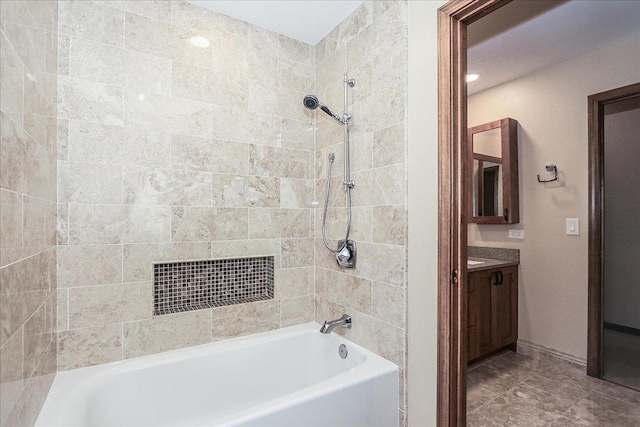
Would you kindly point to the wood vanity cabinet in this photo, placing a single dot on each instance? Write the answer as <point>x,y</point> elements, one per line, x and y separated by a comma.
<point>492,311</point>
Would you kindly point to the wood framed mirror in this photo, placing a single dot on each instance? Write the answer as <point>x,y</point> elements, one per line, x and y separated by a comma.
<point>493,173</point>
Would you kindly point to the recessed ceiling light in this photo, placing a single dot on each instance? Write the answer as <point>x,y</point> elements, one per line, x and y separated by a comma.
<point>199,41</point>
<point>472,77</point>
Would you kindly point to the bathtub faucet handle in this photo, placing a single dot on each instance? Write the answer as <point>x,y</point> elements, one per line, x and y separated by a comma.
<point>343,322</point>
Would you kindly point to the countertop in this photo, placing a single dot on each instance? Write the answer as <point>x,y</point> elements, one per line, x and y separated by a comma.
<point>489,264</point>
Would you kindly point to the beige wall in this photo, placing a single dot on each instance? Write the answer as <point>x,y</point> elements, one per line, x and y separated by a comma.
<point>28,46</point>
<point>551,108</point>
<point>371,46</point>
<point>167,152</point>
<point>422,249</point>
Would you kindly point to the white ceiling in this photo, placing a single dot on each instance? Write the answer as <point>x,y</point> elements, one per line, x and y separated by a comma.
<point>525,36</point>
<point>306,20</point>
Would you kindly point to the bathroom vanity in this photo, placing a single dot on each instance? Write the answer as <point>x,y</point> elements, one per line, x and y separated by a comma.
<point>492,304</point>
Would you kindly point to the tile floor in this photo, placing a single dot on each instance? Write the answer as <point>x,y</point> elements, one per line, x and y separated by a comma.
<point>516,390</point>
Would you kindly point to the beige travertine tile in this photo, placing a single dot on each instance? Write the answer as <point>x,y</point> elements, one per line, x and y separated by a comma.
<point>138,259</point>
<point>297,252</point>
<point>247,248</point>
<point>202,224</point>
<point>284,102</point>
<point>12,84</point>
<point>349,291</point>
<point>33,226</point>
<point>384,263</point>
<point>11,225</point>
<point>164,40</point>
<point>89,183</point>
<point>336,225</point>
<point>362,152</point>
<point>379,111</point>
<point>295,75</point>
<point>89,265</point>
<point>244,319</point>
<point>16,12</point>
<point>283,46</point>
<point>296,311</point>
<point>208,86</point>
<point>91,101</point>
<point>28,176</point>
<point>165,114</point>
<point>117,66</point>
<point>168,332</point>
<point>37,337</point>
<point>389,67</point>
<point>359,19</point>
<point>62,140</point>
<point>328,132</point>
<point>327,310</point>
<point>64,42</point>
<point>281,162</point>
<point>156,9</point>
<point>90,346</point>
<point>389,224</point>
<point>387,30</point>
<point>320,51</point>
<point>380,337</point>
<point>267,223</point>
<point>26,410</point>
<point>296,193</point>
<point>331,70</point>
<point>11,374</point>
<point>62,224</point>
<point>158,186</point>
<point>126,146</point>
<point>293,282</point>
<point>92,21</point>
<point>298,134</point>
<point>106,304</point>
<point>261,66</point>
<point>244,126</point>
<point>189,15</point>
<point>389,146</point>
<point>387,303</point>
<point>29,43</point>
<point>193,153</point>
<point>384,186</point>
<point>39,98</point>
<point>95,224</point>
<point>245,191</point>
<point>63,310</point>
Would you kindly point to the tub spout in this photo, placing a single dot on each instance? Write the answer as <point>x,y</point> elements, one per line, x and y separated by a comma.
<point>343,322</point>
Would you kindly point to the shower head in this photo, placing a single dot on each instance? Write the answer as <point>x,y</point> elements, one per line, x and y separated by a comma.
<point>311,102</point>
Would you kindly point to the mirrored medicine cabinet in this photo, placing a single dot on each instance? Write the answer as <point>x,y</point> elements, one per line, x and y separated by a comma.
<point>493,173</point>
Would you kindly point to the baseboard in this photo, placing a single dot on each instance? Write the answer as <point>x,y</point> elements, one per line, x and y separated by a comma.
<point>530,349</point>
<point>621,328</point>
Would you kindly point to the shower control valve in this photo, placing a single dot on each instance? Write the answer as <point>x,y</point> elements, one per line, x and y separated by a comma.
<point>349,184</point>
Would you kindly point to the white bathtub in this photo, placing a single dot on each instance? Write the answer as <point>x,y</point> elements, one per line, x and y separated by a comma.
<point>290,377</point>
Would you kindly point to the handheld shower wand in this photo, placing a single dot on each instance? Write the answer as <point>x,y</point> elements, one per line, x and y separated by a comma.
<point>346,250</point>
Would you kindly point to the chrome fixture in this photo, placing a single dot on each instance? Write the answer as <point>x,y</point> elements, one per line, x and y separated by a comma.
<point>346,250</point>
<point>342,351</point>
<point>343,322</point>
<point>550,167</point>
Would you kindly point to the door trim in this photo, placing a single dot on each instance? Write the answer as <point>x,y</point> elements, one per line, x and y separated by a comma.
<point>597,103</point>
<point>453,19</point>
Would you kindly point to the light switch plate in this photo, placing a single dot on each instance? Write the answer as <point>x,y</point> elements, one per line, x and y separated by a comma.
<point>573,226</point>
<point>516,234</point>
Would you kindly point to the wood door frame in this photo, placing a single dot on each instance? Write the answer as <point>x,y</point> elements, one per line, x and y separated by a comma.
<point>453,19</point>
<point>597,103</point>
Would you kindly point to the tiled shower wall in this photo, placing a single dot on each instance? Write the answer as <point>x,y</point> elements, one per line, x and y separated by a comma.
<point>166,152</point>
<point>28,46</point>
<point>371,45</point>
